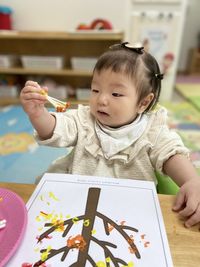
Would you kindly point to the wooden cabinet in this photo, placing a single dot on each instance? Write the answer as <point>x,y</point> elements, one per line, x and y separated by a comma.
<point>67,45</point>
<point>194,62</point>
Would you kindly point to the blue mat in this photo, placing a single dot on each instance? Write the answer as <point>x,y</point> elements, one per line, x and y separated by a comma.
<point>21,159</point>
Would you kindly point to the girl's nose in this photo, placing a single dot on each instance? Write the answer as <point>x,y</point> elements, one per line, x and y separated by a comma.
<point>103,99</point>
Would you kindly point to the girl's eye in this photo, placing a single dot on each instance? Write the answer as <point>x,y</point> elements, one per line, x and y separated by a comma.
<point>95,91</point>
<point>116,94</point>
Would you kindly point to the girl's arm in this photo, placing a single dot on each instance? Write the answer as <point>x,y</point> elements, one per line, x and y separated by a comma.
<point>33,104</point>
<point>44,124</point>
<point>180,169</point>
<point>187,203</point>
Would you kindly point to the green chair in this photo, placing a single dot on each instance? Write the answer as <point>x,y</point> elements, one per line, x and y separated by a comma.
<point>166,185</point>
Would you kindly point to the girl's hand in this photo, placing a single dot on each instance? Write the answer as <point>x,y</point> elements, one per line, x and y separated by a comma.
<point>187,202</point>
<point>32,99</point>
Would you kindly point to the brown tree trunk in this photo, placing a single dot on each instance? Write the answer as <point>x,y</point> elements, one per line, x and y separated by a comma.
<point>90,214</point>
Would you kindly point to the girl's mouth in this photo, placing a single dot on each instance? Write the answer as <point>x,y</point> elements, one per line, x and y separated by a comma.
<point>102,113</point>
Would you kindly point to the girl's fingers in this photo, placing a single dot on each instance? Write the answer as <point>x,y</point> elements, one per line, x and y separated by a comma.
<point>34,87</point>
<point>45,88</point>
<point>29,94</point>
<point>29,88</point>
<point>179,202</point>
<point>194,219</point>
<point>32,83</point>
<point>190,208</point>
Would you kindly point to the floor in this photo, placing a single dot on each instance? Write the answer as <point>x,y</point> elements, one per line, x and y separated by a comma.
<point>21,159</point>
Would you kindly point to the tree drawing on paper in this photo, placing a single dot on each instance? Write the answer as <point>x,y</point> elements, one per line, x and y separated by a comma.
<point>82,241</point>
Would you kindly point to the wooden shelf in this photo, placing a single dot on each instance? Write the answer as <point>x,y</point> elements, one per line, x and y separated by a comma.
<point>71,35</point>
<point>63,44</point>
<point>4,101</point>
<point>63,72</point>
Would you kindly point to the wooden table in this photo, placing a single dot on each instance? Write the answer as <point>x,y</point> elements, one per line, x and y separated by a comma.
<point>184,243</point>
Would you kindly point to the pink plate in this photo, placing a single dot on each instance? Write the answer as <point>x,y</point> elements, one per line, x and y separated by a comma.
<point>13,209</point>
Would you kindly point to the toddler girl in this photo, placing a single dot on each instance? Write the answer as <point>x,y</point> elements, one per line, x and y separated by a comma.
<point>123,132</point>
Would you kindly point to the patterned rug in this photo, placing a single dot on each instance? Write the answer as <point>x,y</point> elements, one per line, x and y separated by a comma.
<point>191,92</point>
<point>184,118</point>
<point>21,159</point>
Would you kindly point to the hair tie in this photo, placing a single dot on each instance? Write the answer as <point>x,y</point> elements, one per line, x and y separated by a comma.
<point>126,45</point>
<point>137,49</point>
<point>159,76</point>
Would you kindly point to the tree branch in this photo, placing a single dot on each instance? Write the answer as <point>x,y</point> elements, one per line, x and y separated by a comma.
<point>108,253</point>
<point>68,222</point>
<point>52,253</point>
<point>120,228</point>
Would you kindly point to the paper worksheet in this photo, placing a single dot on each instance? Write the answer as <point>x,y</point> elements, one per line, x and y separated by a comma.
<point>79,221</point>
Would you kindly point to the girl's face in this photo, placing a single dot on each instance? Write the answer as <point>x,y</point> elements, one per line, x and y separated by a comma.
<point>113,99</point>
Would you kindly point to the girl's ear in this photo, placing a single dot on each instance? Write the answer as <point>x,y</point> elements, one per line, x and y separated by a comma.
<point>143,105</point>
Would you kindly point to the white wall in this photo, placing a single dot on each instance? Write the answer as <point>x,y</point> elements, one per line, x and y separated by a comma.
<point>63,15</point>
